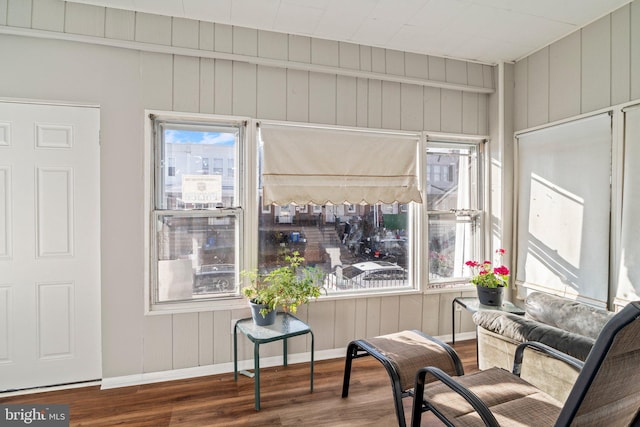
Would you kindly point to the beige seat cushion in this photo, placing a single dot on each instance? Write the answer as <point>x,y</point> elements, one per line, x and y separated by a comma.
<point>513,401</point>
<point>409,351</point>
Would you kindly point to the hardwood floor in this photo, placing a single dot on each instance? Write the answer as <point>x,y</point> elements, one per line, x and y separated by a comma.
<point>219,401</point>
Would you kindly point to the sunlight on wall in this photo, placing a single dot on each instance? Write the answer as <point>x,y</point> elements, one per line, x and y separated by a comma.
<point>554,251</point>
<point>566,239</point>
<point>626,289</point>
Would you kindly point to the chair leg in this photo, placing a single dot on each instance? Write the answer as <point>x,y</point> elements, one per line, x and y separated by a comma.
<point>360,348</point>
<point>352,351</point>
<point>396,388</point>
<point>397,398</point>
<point>418,407</point>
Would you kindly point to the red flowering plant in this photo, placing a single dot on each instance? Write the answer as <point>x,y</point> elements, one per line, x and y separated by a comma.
<point>488,276</point>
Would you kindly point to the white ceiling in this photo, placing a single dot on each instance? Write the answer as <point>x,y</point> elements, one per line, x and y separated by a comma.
<point>487,31</point>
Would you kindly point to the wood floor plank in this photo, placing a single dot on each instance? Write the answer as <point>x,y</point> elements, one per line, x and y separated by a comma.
<point>218,400</point>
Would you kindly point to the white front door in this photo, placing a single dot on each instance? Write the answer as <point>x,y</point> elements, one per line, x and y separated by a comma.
<point>49,245</point>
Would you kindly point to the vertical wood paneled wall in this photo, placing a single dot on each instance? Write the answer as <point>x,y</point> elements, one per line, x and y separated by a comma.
<point>190,82</point>
<point>593,68</point>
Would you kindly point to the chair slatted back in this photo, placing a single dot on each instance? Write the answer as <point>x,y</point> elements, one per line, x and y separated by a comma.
<point>607,391</point>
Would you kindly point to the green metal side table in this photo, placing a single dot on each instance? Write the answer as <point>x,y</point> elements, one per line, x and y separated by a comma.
<point>285,327</point>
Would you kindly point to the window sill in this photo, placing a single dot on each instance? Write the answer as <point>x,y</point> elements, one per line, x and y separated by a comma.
<point>375,294</point>
<point>229,304</point>
<point>442,288</point>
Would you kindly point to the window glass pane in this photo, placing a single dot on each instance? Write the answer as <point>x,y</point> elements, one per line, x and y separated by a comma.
<point>196,256</point>
<point>197,218</point>
<point>359,247</point>
<point>452,241</point>
<point>452,177</point>
<point>453,202</point>
<point>190,173</point>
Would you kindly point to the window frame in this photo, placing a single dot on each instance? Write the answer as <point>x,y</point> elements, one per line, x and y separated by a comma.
<point>238,211</point>
<point>412,210</point>
<point>478,215</point>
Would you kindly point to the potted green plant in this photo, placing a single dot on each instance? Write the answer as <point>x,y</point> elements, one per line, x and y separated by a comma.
<point>490,280</point>
<point>285,287</point>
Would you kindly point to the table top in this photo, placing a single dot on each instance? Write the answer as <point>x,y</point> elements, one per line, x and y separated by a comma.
<point>473,304</point>
<point>286,325</point>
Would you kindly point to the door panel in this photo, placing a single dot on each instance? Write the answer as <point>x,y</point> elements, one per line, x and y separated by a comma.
<point>49,245</point>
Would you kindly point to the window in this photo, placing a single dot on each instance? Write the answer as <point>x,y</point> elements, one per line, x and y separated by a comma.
<point>361,246</point>
<point>454,209</point>
<point>230,168</point>
<point>197,217</point>
<point>172,166</point>
<point>218,166</point>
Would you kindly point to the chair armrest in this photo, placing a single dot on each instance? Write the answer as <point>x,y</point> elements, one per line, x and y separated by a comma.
<point>477,404</point>
<point>550,351</point>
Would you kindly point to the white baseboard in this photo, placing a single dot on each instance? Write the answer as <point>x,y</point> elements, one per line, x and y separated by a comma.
<point>224,368</point>
<point>70,386</point>
<point>462,336</point>
<point>221,368</point>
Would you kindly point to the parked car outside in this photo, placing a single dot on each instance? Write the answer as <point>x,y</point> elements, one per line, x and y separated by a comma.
<point>392,250</point>
<point>368,274</point>
<point>214,278</point>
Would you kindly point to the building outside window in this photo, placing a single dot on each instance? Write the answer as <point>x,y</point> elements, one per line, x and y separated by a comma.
<point>454,209</point>
<point>197,217</point>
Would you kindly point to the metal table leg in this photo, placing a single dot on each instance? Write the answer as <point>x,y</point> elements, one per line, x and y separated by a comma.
<point>235,352</point>
<point>312,339</point>
<point>453,321</point>
<point>256,373</point>
<point>284,352</point>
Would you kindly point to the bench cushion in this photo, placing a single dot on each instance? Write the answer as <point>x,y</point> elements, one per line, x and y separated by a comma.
<point>566,314</point>
<point>521,329</point>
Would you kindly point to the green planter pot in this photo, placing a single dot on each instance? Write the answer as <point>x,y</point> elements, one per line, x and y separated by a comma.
<point>258,318</point>
<point>490,296</point>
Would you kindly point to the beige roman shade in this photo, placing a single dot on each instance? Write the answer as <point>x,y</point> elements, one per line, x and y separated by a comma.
<point>305,165</point>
